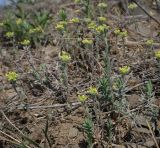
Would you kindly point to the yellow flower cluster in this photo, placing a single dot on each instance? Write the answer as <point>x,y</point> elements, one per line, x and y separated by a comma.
<point>9,34</point>
<point>117,31</point>
<point>61,25</point>
<point>11,76</point>
<point>92,90</point>
<point>87,41</point>
<point>77,1</point>
<point>1,24</point>
<point>149,42</point>
<point>74,20</point>
<point>35,30</point>
<point>82,98</point>
<point>64,57</point>
<point>87,20</point>
<point>102,5</point>
<point>123,33</point>
<point>92,25</point>
<point>124,70</point>
<point>132,6</point>
<point>102,19</point>
<point>102,28</point>
<point>25,42</point>
<point>19,21</point>
<point>157,55</point>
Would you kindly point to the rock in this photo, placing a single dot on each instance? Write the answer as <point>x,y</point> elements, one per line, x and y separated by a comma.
<point>73,132</point>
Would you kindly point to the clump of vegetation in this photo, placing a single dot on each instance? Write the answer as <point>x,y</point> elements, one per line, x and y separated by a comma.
<point>80,68</point>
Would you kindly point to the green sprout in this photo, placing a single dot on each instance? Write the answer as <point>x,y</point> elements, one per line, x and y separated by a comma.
<point>65,58</point>
<point>88,129</point>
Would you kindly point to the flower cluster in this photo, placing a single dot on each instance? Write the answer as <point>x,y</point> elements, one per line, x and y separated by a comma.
<point>102,19</point>
<point>92,25</point>
<point>157,55</point>
<point>92,90</point>
<point>25,42</point>
<point>132,6</point>
<point>19,21</point>
<point>9,34</point>
<point>149,42</point>
<point>74,20</point>
<point>102,28</point>
<point>64,57</point>
<point>124,70</point>
<point>11,76</point>
<point>61,25</point>
<point>117,31</point>
<point>102,5</point>
<point>123,33</point>
<point>82,98</point>
<point>35,30</point>
<point>87,41</point>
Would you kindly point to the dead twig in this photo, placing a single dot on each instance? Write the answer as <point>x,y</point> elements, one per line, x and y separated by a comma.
<point>152,134</point>
<point>143,9</point>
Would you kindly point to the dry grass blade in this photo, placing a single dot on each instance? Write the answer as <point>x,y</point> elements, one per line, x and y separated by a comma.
<point>152,134</point>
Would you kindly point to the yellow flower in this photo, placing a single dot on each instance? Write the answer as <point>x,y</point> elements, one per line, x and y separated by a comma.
<point>74,20</point>
<point>102,5</point>
<point>25,42</point>
<point>124,70</point>
<point>9,34</point>
<point>102,19</point>
<point>11,76</point>
<point>92,25</point>
<point>149,42</point>
<point>87,20</point>
<point>1,24</point>
<point>64,23</point>
<point>92,90</point>
<point>59,27</point>
<point>117,31</point>
<point>123,33</point>
<point>157,54</point>
<point>102,28</point>
<point>19,21</point>
<point>132,6</point>
<point>77,1</point>
<point>64,57</point>
<point>82,98</point>
<point>87,41</point>
<point>35,30</point>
